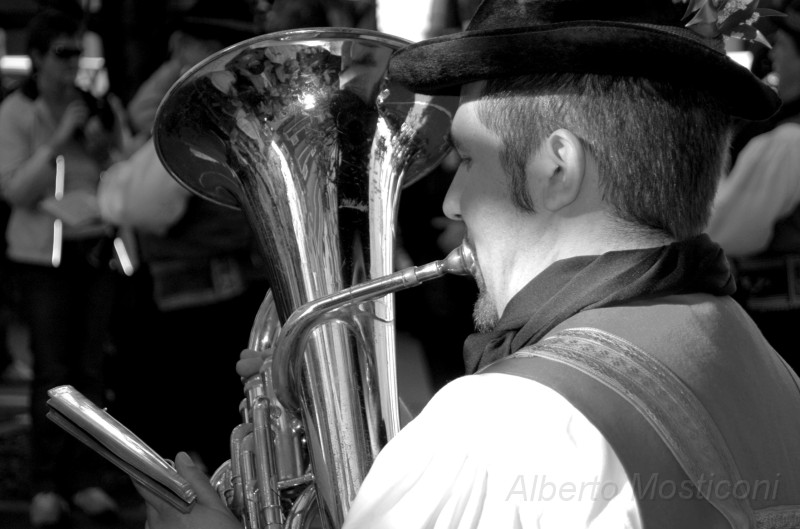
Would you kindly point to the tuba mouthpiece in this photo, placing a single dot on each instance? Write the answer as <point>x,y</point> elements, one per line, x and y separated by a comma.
<point>460,261</point>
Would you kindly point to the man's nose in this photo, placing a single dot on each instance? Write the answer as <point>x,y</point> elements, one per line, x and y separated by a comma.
<point>451,205</point>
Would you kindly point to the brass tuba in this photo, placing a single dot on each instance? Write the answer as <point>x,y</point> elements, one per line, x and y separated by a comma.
<point>302,130</point>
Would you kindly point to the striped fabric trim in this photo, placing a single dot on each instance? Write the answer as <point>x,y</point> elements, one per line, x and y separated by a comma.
<point>668,405</point>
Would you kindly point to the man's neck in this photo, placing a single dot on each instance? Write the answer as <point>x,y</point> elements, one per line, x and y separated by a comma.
<point>599,234</point>
<point>593,234</point>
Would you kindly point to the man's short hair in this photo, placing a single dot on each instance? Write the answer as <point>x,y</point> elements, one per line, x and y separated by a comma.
<point>660,148</point>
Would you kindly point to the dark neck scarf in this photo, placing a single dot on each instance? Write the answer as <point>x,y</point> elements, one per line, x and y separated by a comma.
<point>569,286</point>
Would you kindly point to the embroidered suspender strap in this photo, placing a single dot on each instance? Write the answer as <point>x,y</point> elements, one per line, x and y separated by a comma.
<point>667,404</point>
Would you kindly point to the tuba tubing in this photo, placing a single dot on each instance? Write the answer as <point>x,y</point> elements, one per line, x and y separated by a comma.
<point>287,363</point>
<point>303,132</point>
<point>272,394</point>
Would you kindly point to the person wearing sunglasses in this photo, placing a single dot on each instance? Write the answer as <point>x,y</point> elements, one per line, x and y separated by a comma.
<point>55,142</point>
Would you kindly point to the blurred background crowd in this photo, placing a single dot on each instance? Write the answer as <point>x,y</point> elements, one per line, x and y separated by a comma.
<point>117,280</point>
<point>114,277</point>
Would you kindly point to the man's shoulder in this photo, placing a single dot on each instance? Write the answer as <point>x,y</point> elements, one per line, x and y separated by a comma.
<point>500,399</point>
<point>657,315</point>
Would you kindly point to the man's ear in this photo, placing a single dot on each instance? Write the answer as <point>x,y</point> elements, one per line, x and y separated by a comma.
<point>563,165</point>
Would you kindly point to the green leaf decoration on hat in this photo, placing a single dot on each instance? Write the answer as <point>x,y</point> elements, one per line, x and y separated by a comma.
<point>731,18</point>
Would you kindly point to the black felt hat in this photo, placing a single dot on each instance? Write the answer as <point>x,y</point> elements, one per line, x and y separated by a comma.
<point>646,38</point>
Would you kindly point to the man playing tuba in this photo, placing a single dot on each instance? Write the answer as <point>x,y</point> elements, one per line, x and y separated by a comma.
<point>613,381</point>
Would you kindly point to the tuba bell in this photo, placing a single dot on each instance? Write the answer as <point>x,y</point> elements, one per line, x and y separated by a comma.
<point>303,132</point>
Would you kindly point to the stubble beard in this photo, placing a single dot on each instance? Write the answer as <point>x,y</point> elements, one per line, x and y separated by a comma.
<point>484,313</point>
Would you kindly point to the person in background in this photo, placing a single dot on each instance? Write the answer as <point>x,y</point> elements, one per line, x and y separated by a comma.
<point>756,215</point>
<point>202,279</point>
<point>12,368</point>
<point>196,34</point>
<point>613,382</point>
<point>14,358</point>
<point>202,31</point>
<point>198,285</point>
<point>56,139</point>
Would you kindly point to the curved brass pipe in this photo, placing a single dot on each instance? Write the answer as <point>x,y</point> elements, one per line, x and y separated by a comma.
<point>287,362</point>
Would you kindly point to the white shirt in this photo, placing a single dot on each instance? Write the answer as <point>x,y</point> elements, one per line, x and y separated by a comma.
<point>139,193</point>
<point>496,451</point>
<point>762,188</point>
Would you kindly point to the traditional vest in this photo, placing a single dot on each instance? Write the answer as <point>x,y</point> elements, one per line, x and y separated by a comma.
<point>702,413</point>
